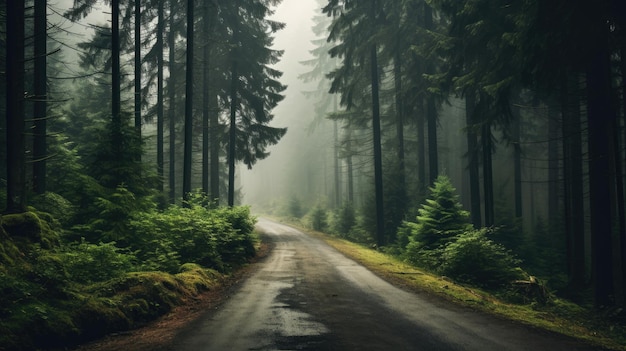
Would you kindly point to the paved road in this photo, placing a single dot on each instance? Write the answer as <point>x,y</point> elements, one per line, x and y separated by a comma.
<point>307,296</point>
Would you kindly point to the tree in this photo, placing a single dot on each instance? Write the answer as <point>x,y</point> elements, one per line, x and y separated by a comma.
<point>260,91</point>
<point>138,72</point>
<point>441,218</point>
<point>40,150</point>
<point>355,28</point>
<point>171,38</point>
<point>188,102</point>
<point>16,163</point>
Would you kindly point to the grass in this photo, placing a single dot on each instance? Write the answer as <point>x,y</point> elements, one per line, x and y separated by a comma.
<point>558,315</point>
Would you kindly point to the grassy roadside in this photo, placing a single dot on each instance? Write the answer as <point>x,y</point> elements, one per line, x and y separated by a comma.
<point>558,316</point>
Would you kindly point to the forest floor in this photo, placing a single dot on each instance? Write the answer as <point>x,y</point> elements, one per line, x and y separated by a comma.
<point>159,334</point>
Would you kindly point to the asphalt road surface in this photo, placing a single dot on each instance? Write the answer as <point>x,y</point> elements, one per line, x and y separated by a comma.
<point>307,296</point>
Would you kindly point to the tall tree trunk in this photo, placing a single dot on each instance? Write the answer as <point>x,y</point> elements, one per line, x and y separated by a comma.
<point>553,170</point>
<point>573,184</point>
<point>400,128</point>
<point>115,75</point>
<point>16,165</point>
<point>40,145</point>
<point>473,164</point>
<point>336,164</point>
<point>232,134</point>
<point>205,99</point>
<point>600,116</point>
<point>487,174</point>
<point>350,167</point>
<point>431,111</point>
<point>378,163</point>
<point>421,152</point>
<point>172,101</point>
<point>138,70</point>
<point>160,111</point>
<point>215,149</point>
<point>517,162</point>
<point>188,103</point>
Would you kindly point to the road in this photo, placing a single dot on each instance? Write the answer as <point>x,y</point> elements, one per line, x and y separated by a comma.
<point>307,296</point>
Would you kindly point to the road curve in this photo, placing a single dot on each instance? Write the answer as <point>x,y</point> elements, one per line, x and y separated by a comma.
<point>307,296</point>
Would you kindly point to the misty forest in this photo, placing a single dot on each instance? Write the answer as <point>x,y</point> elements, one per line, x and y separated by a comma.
<point>479,140</point>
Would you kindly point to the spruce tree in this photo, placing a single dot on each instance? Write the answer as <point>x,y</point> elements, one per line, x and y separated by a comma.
<point>439,221</point>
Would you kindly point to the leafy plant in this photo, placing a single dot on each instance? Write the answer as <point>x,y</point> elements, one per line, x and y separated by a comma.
<point>474,258</point>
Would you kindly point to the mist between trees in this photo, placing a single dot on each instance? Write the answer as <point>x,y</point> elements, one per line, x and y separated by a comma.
<point>520,104</point>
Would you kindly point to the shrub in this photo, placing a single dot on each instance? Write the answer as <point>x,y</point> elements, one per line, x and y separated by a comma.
<point>318,218</point>
<point>88,263</point>
<point>214,238</point>
<point>344,220</point>
<point>474,258</point>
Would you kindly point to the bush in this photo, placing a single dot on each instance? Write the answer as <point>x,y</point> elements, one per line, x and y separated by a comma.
<point>88,263</point>
<point>318,218</point>
<point>214,238</point>
<point>474,258</point>
<point>344,220</point>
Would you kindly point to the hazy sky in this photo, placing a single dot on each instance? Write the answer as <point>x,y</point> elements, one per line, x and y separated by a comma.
<point>296,111</point>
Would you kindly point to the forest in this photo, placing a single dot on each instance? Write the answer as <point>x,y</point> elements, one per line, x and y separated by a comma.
<point>482,140</point>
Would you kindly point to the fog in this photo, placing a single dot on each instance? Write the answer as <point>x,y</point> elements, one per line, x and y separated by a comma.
<point>279,176</point>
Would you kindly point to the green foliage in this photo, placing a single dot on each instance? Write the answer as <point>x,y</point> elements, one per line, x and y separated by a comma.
<point>29,228</point>
<point>442,216</point>
<point>88,263</point>
<point>215,238</point>
<point>439,221</point>
<point>318,218</point>
<point>294,208</point>
<point>56,205</point>
<point>474,258</point>
<point>109,215</point>
<point>344,219</point>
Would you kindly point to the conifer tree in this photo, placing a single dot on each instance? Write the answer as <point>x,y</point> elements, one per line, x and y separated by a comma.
<point>440,220</point>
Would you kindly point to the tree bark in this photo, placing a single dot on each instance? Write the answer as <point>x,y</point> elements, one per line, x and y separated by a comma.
<point>16,163</point>
<point>487,174</point>
<point>138,71</point>
<point>553,169</point>
<point>421,152</point>
<point>600,116</point>
<point>115,71</point>
<point>400,128</point>
<point>40,144</point>
<point>172,100</point>
<point>378,164</point>
<point>187,156</point>
<point>431,111</point>
<point>160,110</point>
<point>573,184</point>
<point>214,126</point>
<point>232,134</point>
<point>205,99</point>
<point>517,162</point>
<point>473,161</point>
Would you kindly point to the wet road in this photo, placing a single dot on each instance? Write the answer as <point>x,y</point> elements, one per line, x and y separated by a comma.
<point>307,296</point>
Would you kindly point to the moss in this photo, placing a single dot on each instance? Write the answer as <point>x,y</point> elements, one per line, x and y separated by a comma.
<point>29,227</point>
<point>196,278</point>
<point>97,317</point>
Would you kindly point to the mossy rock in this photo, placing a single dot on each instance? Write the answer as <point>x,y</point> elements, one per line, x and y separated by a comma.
<point>196,278</point>
<point>29,227</point>
<point>97,317</point>
<point>10,254</point>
